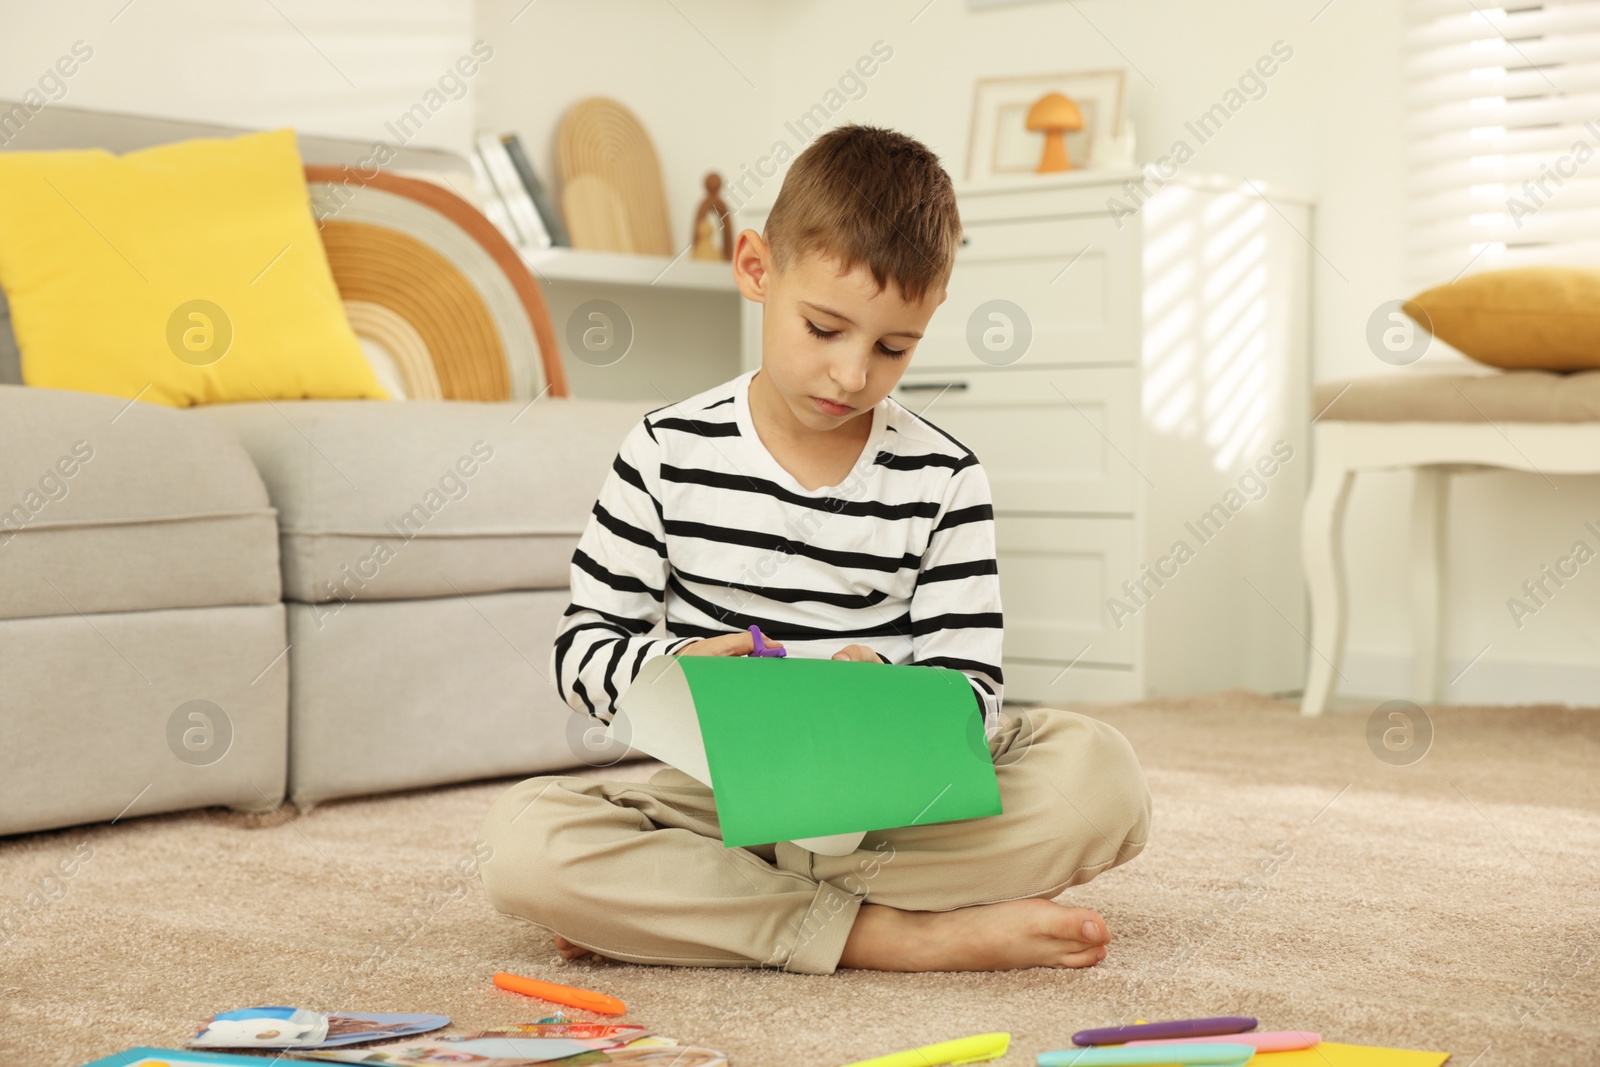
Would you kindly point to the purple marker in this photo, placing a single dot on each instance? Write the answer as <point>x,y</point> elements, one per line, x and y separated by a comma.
<point>763,650</point>
<point>1116,1035</point>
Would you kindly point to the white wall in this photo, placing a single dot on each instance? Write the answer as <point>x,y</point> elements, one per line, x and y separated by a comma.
<point>699,81</point>
<point>347,68</point>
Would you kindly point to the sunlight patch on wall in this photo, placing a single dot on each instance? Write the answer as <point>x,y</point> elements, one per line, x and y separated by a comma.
<point>1207,378</point>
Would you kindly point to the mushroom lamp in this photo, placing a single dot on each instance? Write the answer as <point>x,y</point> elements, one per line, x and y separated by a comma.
<point>1055,116</point>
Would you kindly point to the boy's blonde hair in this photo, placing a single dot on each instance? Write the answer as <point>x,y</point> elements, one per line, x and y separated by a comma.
<point>868,195</point>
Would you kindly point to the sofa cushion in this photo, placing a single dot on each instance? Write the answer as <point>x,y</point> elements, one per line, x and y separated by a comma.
<point>115,505</point>
<point>429,498</point>
<point>377,694</point>
<point>99,721</point>
<point>1516,396</point>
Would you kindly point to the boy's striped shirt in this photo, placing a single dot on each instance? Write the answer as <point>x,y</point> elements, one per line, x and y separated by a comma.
<point>699,527</point>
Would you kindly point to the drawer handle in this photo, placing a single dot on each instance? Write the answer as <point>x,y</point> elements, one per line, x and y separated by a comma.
<point>923,387</point>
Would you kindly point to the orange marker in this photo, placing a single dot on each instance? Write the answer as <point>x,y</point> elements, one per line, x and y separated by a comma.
<point>560,994</point>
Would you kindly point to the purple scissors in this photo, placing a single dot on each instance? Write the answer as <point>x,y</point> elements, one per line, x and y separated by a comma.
<point>762,649</point>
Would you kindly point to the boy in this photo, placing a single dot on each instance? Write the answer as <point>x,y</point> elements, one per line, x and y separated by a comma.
<point>802,499</point>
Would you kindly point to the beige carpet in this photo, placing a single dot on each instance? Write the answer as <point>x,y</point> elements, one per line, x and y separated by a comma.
<point>1453,904</point>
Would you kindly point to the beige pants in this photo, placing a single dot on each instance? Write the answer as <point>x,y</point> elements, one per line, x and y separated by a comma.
<point>638,871</point>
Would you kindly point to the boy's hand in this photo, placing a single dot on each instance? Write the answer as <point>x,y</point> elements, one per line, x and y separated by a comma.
<point>739,644</point>
<point>857,653</point>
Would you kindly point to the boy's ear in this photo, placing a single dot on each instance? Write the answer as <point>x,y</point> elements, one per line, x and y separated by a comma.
<point>752,265</point>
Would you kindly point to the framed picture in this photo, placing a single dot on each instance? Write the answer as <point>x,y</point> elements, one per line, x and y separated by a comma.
<point>1001,147</point>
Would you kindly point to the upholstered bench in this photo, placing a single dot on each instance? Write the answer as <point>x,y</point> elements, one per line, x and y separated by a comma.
<point>1437,425</point>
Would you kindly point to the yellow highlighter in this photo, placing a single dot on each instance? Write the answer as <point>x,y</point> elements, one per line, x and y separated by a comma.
<point>964,1050</point>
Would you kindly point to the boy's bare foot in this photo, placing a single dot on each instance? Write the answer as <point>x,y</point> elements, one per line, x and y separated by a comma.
<point>569,951</point>
<point>989,937</point>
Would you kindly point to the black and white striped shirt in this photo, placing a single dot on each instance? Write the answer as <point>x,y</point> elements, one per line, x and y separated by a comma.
<point>698,525</point>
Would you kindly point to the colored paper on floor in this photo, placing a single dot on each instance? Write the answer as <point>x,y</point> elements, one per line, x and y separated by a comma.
<point>482,1052</point>
<point>289,1028</point>
<point>806,748</point>
<point>171,1057</point>
<point>1334,1054</point>
<point>673,1056</point>
<point>612,1033</point>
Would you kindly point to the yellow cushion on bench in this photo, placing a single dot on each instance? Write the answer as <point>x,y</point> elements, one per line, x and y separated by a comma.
<point>1534,318</point>
<point>188,273</point>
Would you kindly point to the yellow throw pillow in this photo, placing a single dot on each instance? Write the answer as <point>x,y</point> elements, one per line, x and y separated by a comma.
<point>189,273</point>
<point>1528,318</point>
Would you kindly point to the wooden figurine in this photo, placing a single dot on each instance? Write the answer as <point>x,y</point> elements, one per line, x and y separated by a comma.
<point>711,213</point>
<point>1055,116</point>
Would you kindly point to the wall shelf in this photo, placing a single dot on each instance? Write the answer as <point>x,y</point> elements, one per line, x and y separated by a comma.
<point>618,268</point>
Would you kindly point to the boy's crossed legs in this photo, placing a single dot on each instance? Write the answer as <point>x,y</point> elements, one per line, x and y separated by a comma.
<point>638,871</point>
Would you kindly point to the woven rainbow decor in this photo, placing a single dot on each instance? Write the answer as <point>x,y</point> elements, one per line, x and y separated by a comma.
<point>431,282</point>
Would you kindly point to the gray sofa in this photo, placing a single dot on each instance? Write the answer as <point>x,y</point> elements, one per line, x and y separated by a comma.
<point>314,599</point>
<point>353,597</point>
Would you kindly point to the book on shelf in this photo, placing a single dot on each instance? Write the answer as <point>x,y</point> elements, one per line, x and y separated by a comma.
<point>526,227</point>
<point>543,203</point>
<point>494,209</point>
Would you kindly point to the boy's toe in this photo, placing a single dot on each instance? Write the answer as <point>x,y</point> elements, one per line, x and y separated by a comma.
<point>1083,926</point>
<point>1086,958</point>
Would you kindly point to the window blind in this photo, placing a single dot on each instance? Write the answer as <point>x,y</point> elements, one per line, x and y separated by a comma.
<point>1503,133</point>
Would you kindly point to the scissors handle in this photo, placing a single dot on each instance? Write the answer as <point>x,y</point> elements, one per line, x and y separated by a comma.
<point>761,649</point>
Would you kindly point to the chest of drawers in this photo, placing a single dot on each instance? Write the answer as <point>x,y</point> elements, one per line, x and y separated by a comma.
<point>1130,364</point>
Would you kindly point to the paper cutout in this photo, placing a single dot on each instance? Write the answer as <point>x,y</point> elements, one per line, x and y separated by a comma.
<point>482,1052</point>
<point>289,1028</point>
<point>802,749</point>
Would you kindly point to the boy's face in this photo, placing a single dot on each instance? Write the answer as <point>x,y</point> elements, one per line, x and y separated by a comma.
<point>827,337</point>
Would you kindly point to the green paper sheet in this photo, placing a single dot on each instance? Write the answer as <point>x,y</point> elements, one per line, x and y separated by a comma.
<point>804,748</point>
